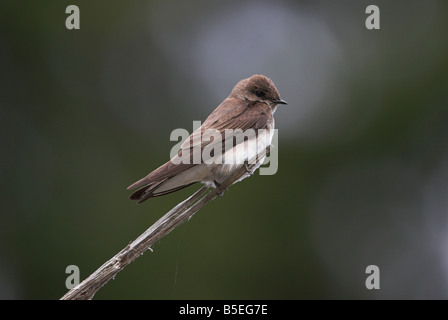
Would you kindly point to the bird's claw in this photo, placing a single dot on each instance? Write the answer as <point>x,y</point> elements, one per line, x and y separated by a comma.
<point>221,190</point>
<point>248,170</point>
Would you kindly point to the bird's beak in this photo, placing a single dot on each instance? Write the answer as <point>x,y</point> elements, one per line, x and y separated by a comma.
<point>279,101</point>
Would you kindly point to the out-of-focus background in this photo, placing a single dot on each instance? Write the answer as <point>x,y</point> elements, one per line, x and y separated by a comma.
<point>363,147</point>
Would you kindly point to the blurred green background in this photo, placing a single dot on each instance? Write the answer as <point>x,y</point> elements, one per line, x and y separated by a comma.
<point>363,147</point>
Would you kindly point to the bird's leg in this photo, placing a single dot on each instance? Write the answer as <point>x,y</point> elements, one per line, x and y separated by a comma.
<point>246,166</point>
<point>218,186</point>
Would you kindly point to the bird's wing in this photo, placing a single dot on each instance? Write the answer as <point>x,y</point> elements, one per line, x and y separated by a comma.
<point>238,114</point>
<point>162,173</point>
<point>223,123</point>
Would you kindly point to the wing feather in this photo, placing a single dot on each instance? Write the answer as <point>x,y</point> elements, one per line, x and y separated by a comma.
<point>231,114</point>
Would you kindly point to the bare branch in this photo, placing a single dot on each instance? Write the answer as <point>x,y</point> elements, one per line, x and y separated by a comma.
<point>180,213</point>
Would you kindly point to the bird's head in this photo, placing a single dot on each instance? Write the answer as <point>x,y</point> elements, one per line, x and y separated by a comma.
<point>258,88</point>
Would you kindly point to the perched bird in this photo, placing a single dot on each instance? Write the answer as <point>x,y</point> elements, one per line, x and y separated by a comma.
<point>249,109</point>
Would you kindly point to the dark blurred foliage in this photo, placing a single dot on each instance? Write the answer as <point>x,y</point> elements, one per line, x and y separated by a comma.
<point>363,147</point>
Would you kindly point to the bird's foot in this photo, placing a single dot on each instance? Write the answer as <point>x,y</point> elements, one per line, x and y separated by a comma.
<point>248,170</point>
<point>218,186</point>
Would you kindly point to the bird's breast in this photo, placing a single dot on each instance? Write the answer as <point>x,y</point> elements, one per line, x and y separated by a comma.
<point>252,151</point>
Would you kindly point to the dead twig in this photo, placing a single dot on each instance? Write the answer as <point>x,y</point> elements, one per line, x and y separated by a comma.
<point>180,213</point>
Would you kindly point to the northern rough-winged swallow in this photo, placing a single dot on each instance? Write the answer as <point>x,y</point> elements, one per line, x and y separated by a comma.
<point>250,105</point>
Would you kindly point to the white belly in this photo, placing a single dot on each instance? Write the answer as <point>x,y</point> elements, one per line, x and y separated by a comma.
<point>251,151</point>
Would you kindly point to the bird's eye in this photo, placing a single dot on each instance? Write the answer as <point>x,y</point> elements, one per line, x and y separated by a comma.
<point>259,93</point>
